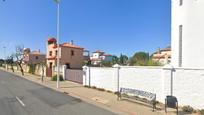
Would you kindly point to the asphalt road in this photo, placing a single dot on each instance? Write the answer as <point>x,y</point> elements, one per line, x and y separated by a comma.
<point>19,96</point>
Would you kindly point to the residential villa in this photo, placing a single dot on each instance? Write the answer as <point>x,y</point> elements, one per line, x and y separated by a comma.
<point>33,57</point>
<point>162,56</point>
<point>187,33</point>
<point>98,56</point>
<point>69,55</point>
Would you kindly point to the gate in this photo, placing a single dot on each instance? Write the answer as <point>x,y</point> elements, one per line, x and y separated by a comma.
<point>49,72</point>
<point>74,75</point>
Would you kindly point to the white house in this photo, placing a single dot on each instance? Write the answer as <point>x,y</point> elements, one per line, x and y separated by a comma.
<point>98,56</point>
<point>187,33</point>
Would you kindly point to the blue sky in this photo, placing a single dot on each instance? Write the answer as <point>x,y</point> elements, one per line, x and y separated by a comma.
<point>115,26</point>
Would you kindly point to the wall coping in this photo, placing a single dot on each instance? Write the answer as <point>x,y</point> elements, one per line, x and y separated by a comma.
<point>183,68</point>
<point>152,67</point>
<point>145,67</point>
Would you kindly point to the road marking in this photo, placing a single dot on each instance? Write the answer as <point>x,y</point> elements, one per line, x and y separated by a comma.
<point>21,102</point>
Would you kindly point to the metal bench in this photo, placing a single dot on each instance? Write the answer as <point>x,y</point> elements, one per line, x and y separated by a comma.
<point>138,95</point>
<point>171,102</point>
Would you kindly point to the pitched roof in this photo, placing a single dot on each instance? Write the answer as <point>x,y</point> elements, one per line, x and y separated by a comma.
<point>166,49</point>
<point>52,40</point>
<point>98,51</point>
<point>35,52</point>
<point>69,46</point>
<point>106,55</point>
<point>162,50</point>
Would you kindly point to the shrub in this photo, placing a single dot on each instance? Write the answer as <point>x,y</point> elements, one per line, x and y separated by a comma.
<point>187,109</point>
<point>109,91</point>
<point>87,86</point>
<point>106,64</point>
<point>32,68</point>
<point>94,87</point>
<point>54,78</point>
<point>152,63</point>
<point>101,89</point>
<point>202,111</point>
<point>116,93</point>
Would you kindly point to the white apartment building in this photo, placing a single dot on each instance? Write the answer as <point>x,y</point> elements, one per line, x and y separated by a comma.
<point>187,37</point>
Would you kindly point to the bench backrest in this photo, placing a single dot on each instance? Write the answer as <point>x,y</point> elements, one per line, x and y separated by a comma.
<point>135,92</point>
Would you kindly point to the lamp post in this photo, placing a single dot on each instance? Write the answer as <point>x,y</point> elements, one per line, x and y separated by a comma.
<point>58,23</point>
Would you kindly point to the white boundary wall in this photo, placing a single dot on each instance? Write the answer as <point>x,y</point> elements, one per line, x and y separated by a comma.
<point>142,78</point>
<point>187,84</point>
<point>102,78</point>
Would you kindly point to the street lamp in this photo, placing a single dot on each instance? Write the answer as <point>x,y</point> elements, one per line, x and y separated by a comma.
<point>58,23</point>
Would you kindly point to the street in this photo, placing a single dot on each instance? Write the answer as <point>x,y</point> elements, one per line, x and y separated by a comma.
<point>22,97</point>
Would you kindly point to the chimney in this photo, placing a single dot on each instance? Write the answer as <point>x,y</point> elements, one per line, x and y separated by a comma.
<point>159,51</point>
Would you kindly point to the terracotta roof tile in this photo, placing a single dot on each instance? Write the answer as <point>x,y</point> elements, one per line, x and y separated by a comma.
<point>68,45</point>
<point>52,40</point>
<point>98,51</point>
<point>35,52</point>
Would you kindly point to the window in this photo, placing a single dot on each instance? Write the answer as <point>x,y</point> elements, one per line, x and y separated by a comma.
<point>67,66</point>
<point>72,52</point>
<point>180,2</point>
<point>50,53</point>
<point>36,57</point>
<point>56,52</point>
<point>180,44</point>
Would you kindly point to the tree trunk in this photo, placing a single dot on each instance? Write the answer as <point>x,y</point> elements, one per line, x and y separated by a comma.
<point>22,72</point>
<point>12,68</point>
<point>42,72</point>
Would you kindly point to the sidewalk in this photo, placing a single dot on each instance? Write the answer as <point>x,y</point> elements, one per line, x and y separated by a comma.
<point>102,99</point>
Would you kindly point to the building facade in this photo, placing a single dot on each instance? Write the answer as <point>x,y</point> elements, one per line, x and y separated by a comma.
<point>187,33</point>
<point>162,56</point>
<point>69,55</point>
<point>34,57</point>
<point>98,56</point>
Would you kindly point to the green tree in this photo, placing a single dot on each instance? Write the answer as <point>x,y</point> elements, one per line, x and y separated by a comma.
<point>106,64</point>
<point>123,60</point>
<point>1,62</point>
<point>43,65</point>
<point>10,61</point>
<point>115,60</point>
<point>140,59</point>
<point>152,63</point>
<point>19,55</point>
<point>32,68</point>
